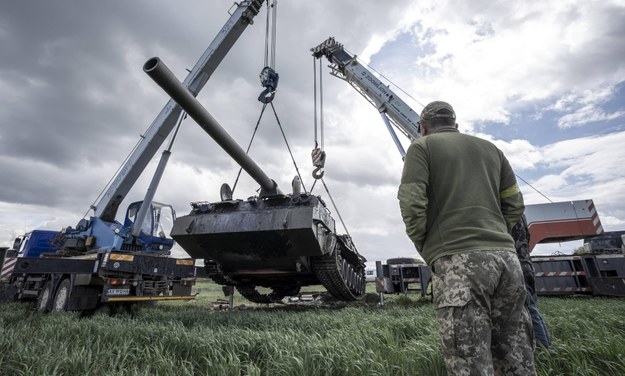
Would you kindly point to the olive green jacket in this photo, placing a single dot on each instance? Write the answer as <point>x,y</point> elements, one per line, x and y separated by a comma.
<point>458,194</point>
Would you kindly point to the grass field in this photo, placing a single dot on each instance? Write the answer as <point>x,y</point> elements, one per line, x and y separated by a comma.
<point>354,339</point>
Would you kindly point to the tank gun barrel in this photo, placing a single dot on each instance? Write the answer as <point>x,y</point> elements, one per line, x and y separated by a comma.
<point>160,73</point>
<point>281,242</point>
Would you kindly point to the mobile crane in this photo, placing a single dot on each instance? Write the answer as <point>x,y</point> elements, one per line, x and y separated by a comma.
<point>393,110</point>
<point>597,274</point>
<point>100,260</point>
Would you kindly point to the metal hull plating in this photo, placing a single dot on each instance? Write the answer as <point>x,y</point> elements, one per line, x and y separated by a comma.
<point>260,241</point>
<point>277,241</point>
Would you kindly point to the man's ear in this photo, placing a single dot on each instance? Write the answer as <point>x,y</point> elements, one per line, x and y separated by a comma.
<point>456,125</point>
<point>425,128</point>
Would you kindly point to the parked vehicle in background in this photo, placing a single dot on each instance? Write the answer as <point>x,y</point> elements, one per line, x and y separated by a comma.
<point>403,275</point>
<point>599,269</point>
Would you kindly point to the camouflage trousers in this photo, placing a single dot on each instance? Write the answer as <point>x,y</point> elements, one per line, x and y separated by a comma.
<point>483,321</point>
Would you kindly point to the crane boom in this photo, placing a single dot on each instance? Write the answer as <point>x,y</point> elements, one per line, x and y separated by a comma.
<point>391,107</point>
<point>161,127</point>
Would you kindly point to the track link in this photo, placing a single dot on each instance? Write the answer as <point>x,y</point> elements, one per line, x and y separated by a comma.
<point>214,272</point>
<point>341,272</point>
<point>250,293</point>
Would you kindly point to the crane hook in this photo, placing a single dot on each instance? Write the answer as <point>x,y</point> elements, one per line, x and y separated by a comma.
<point>316,174</point>
<point>269,80</point>
<point>319,160</point>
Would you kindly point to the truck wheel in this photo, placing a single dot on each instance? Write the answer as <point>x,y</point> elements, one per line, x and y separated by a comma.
<point>8,292</point>
<point>44,298</point>
<point>62,296</point>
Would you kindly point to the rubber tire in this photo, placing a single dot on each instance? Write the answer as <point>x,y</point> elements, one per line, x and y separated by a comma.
<point>62,296</point>
<point>8,293</point>
<point>44,297</point>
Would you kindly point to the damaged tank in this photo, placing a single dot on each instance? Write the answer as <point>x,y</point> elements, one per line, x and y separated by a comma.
<point>274,240</point>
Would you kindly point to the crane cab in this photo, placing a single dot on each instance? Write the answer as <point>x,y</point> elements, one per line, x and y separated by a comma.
<point>155,227</point>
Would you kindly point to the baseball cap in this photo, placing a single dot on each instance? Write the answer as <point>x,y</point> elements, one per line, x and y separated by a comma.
<point>438,109</point>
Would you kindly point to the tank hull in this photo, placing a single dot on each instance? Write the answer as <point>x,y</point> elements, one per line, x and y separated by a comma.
<point>274,241</point>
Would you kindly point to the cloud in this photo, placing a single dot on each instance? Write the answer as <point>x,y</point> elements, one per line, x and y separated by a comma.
<point>490,59</point>
<point>585,107</point>
<point>587,168</point>
<point>594,156</point>
<point>75,100</point>
<point>521,154</point>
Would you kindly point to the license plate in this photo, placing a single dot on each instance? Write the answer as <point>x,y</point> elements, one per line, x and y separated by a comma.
<point>111,292</point>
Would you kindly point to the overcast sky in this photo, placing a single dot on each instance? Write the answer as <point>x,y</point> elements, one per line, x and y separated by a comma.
<point>543,80</point>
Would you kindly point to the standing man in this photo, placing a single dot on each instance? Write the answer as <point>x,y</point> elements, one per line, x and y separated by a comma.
<point>459,200</point>
<point>521,236</point>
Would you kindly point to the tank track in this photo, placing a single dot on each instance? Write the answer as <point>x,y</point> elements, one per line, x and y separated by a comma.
<point>341,272</point>
<point>250,293</point>
<point>214,272</point>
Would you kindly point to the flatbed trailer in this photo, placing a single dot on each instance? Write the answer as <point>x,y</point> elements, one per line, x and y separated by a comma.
<point>590,274</point>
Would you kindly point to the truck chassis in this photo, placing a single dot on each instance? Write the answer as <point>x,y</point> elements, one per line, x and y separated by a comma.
<point>84,283</point>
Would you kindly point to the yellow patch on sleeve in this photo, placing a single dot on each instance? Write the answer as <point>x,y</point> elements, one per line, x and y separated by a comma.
<point>510,191</point>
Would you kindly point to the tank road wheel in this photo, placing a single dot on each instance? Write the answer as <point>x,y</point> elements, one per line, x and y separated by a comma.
<point>250,293</point>
<point>62,296</point>
<point>214,272</point>
<point>343,277</point>
<point>44,297</point>
<point>281,292</point>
